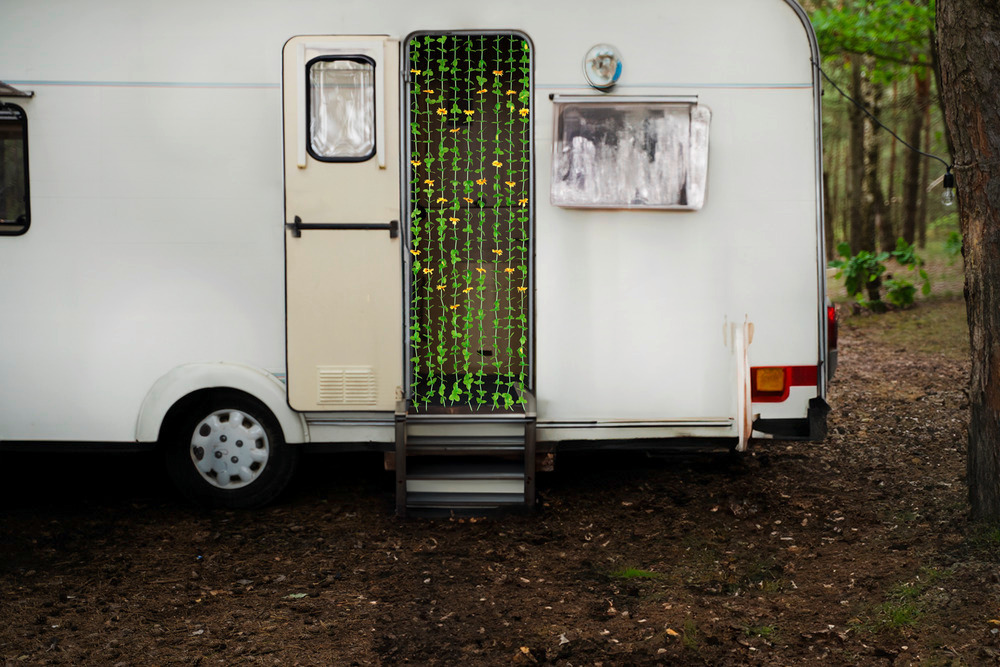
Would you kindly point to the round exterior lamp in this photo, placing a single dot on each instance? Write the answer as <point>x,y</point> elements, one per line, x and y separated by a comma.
<point>602,66</point>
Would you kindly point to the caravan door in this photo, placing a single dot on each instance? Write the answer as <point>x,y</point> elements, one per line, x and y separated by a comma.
<point>343,280</point>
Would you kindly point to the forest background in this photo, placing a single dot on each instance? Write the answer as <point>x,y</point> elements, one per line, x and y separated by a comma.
<point>882,53</point>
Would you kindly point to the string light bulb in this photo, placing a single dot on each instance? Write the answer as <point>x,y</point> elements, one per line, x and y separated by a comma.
<point>948,196</point>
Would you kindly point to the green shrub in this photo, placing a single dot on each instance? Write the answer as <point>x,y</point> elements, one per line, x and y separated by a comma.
<point>862,273</point>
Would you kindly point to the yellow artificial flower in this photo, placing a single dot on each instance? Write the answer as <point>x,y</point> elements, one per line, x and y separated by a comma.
<point>481,181</point>
<point>428,270</point>
<point>457,129</point>
<point>467,290</point>
<point>508,270</point>
<point>510,183</point>
<point>522,289</point>
<point>440,287</point>
<point>497,163</point>
<point>455,306</point>
<point>498,72</point>
<point>429,181</point>
<point>441,200</point>
<point>523,112</point>
<point>429,92</point>
<point>481,91</point>
<point>512,92</point>
<point>414,252</point>
<point>480,269</point>
<point>498,252</point>
<point>453,221</point>
<point>415,163</point>
<point>522,202</point>
<point>468,199</point>
<point>415,71</point>
<point>468,112</point>
<point>442,112</point>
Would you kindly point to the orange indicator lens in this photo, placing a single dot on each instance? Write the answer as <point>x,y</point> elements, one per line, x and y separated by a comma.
<point>770,379</point>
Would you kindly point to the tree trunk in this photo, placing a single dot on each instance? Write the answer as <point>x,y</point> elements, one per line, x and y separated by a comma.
<point>911,177</point>
<point>969,47</point>
<point>875,221</point>
<point>833,195</point>
<point>827,217</point>
<point>841,191</point>
<point>890,213</point>
<point>936,69</point>
<point>855,183</point>
<point>925,170</point>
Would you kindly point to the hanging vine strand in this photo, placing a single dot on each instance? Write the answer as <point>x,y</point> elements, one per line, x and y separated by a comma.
<point>469,222</point>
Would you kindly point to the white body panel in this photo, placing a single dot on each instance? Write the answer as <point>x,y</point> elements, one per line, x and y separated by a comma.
<point>156,239</point>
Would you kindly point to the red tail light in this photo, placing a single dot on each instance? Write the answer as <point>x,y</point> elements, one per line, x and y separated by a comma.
<point>771,384</point>
<point>831,327</point>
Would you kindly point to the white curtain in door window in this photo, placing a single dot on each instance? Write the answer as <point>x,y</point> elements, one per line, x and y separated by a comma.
<point>342,109</point>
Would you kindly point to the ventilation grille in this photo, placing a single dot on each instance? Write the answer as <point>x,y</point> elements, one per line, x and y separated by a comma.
<point>346,385</point>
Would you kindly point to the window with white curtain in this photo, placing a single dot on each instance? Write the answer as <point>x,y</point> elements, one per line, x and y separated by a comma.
<point>341,108</point>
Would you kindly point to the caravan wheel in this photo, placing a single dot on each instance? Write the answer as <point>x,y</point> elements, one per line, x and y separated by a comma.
<point>228,451</point>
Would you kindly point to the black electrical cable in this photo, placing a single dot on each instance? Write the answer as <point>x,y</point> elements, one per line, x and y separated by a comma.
<point>850,99</point>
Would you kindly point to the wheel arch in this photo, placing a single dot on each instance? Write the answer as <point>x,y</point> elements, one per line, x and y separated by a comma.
<point>189,381</point>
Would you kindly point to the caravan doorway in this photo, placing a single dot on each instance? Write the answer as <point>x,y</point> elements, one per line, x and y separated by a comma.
<point>470,219</point>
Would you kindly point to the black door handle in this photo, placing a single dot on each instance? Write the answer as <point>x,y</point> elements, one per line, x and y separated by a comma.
<point>296,227</point>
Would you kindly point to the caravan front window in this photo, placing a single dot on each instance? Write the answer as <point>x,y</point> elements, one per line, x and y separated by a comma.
<point>629,153</point>
<point>14,210</point>
<point>341,108</point>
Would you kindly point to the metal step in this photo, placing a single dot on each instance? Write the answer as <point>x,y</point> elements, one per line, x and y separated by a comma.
<point>465,476</point>
<point>464,462</point>
<point>466,468</point>
<point>463,500</point>
<point>464,444</point>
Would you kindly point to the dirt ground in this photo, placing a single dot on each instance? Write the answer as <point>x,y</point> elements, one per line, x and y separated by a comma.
<point>855,551</point>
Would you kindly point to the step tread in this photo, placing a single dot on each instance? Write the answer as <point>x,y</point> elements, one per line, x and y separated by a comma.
<point>472,439</point>
<point>457,500</point>
<point>466,469</point>
<point>470,445</point>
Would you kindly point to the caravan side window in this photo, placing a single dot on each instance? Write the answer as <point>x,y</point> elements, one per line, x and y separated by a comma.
<point>341,105</point>
<point>629,153</point>
<point>15,214</point>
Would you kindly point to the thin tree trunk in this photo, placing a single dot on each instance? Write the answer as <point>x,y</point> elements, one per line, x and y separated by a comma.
<point>856,174</point>
<point>842,190</point>
<point>875,218</point>
<point>827,217</point>
<point>890,214</point>
<point>831,173</point>
<point>969,46</point>
<point>925,170</point>
<point>911,182</point>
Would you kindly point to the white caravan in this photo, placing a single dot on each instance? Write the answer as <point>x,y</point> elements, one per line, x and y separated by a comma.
<point>469,235</point>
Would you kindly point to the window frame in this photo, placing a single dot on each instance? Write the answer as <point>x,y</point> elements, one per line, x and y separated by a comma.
<point>690,102</point>
<point>19,228</point>
<point>356,57</point>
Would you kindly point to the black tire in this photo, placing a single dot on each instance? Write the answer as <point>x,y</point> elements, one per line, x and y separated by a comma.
<point>239,438</point>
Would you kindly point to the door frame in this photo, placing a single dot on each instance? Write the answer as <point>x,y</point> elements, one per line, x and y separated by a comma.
<point>406,204</point>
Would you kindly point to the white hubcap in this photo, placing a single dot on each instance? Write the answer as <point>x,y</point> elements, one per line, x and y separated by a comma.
<point>229,448</point>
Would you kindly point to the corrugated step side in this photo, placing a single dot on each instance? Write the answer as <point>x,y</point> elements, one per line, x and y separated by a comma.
<point>465,462</point>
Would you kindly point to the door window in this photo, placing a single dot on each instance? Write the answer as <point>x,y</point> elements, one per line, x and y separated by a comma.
<point>341,107</point>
